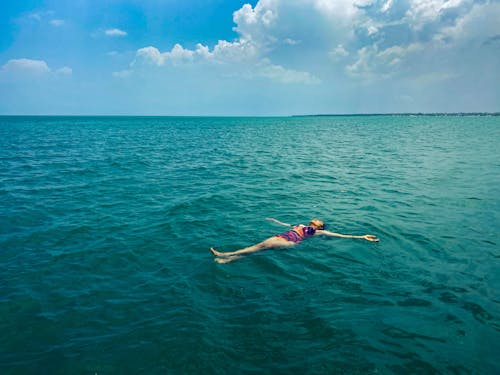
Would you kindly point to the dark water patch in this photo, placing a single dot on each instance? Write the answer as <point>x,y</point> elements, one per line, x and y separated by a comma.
<point>481,314</point>
<point>415,302</point>
<point>402,334</point>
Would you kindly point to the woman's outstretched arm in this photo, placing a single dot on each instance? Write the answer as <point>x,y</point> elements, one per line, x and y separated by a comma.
<point>367,237</point>
<point>278,222</point>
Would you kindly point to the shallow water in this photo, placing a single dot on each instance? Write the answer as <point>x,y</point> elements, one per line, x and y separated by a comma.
<point>106,222</point>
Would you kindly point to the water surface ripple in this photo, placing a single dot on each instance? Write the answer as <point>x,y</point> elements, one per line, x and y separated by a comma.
<point>106,222</point>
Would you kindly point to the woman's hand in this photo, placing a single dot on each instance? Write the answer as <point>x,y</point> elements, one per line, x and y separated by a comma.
<point>370,237</point>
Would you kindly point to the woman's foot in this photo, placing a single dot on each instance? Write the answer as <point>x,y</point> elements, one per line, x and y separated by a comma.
<point>216,253</point>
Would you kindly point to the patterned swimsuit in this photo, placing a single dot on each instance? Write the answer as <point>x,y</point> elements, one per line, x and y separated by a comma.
<point>297,234</point>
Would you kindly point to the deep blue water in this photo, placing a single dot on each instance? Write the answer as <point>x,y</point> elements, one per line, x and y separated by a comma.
<point>106,224</point>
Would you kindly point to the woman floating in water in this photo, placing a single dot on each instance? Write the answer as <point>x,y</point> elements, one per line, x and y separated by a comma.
<point>291,238</point>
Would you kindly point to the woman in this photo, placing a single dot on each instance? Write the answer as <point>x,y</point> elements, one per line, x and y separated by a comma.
<point>291,238</point>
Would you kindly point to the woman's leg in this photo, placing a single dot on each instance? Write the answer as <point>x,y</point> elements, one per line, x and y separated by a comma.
<point>272,242</point>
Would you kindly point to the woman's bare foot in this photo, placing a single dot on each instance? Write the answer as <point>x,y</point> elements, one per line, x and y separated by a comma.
<point>216,253</point>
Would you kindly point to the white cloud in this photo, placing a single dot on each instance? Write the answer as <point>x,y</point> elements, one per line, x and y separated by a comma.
<point>451,4</point>
<point>39,16</point>
<point>252,23</point>
<point>373,63</point>
<point>223,52</point>
<point>368,40</point>
<point>115,32</point>
<point>339,52</point>
<point>362,65</point>
<point>26,66</point>
<point>391,39</point>
<point>278,73</point>
<point>387,5</point>
<point>35,16</point>
<point>422,14</point>
<point>57,23</point>
<point>433,77</point>
<point>372,29</point>
<point>236,52</point>
<point>178,54</point>
<point>245,56</point>
<point>291,42</point>
<point>150,54</point>
<point>239,56</point>
<point>480,23</point>
<point>43,17</point>
<point>341,9</point>
<point>203,51</point>
<point>423,11</point>
<point>123,73</point>
<point>65,71</point>
<point>29,69</point>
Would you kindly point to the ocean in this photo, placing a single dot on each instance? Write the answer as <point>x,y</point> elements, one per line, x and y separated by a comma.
<point>106,225</point>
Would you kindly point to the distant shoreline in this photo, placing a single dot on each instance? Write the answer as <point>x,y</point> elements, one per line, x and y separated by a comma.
<point>405,114</point>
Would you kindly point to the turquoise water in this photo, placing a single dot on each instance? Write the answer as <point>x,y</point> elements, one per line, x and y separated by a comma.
<point>106,225</point>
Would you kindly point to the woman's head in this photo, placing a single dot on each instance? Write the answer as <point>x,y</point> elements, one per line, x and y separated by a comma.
<point>317,224</point>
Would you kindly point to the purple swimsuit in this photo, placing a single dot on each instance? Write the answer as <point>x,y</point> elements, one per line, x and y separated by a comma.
<point>297,234</point>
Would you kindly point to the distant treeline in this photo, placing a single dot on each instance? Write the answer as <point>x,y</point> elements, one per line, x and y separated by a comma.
<point>404,114</point>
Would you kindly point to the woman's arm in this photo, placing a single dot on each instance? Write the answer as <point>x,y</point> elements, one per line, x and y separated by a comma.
<point>367,237</point>
<point>278,222</point>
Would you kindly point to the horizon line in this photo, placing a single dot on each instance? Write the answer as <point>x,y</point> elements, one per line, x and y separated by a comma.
<point>291,115</point>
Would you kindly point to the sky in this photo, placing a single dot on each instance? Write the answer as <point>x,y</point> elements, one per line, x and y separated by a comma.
<point>257,58</point>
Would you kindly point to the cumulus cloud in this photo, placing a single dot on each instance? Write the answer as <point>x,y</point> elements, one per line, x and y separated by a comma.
<point>479,23</point>
<point>236,52</point>
<point>26,66</point>
<point>152,55</point>
<point>115,32</point>
<point>372,63</point>
<point>280,74</point>
<point>245,56</point>
<point>389,39</point>
<point>223,52</point>
<point>253,24</point>
<point>237,56</point>
<point>365,39</point>
<point>29,68</point>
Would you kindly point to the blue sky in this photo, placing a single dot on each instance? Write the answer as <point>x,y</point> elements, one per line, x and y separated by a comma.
<point>266,57</point>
